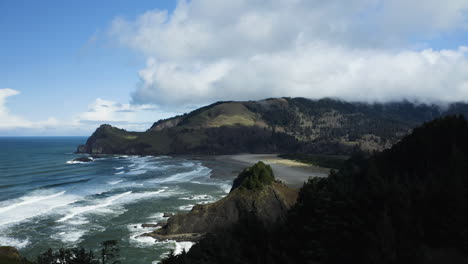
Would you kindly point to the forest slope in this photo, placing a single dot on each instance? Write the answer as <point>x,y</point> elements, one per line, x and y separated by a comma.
<point>407,204</point>
<point>273,125</point>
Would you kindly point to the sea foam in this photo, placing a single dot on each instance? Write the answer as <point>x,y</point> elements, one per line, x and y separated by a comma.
<point>88,208</point>
<point>181,246</point>
<point>32,206</point>
<point>13,242</point>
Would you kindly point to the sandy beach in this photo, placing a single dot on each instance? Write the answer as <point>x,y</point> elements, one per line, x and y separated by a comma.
<point>291,172</point>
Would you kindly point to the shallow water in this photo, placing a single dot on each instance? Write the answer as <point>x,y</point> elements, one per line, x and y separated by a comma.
<point>48,201</point>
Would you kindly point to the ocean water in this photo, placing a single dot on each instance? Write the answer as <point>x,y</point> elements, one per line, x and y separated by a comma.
<point>46,200</point>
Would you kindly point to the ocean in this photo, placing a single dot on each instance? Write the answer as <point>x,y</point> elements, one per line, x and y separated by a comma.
<point>48,201</point>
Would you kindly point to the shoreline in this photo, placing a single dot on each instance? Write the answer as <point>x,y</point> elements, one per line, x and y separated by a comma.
<point>292,173</point>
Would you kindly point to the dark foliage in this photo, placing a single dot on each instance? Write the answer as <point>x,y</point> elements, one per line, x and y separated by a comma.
<point>109,254</point>
<point>234,139</point>
<point>286,125</point>
<point>408,204</point>
<point>254,178</point>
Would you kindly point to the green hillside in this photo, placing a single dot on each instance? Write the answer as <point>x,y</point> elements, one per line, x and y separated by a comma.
<point>408,204</point>
<point>273,125</point>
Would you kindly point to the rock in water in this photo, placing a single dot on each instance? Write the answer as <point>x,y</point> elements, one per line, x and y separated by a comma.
<point>83,159</point>
<point>256,194</point>
<point>151,225</point>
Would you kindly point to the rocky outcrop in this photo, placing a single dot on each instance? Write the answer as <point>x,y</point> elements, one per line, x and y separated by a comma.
<point>83,159</point>
<point>166,123</point>
<point>111,140</point>
<point>10,255</point>
<point>269,204</point>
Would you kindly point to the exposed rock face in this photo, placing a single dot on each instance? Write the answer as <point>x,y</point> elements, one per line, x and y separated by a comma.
<point>167,123</point>
<point>268,203</point>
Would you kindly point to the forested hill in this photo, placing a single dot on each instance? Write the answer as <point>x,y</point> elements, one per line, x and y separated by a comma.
<point>324,126</point>
<point>408,204</point>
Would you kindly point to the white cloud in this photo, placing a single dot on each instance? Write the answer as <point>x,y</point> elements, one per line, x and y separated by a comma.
<point>9,121</point>
<point>228,50</point>
<point>127,116</point>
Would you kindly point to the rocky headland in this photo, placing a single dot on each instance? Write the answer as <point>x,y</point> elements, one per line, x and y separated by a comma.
<point>278,125</point>
<point>255,193</point>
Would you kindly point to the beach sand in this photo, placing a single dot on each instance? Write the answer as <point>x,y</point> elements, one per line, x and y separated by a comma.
<point>292,173</point>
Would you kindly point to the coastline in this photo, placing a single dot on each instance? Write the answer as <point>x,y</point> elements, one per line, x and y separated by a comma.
<point>291,172</point>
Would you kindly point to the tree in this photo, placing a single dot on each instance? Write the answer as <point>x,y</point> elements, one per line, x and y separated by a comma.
<point>109,252</point>
<point>78,255</point>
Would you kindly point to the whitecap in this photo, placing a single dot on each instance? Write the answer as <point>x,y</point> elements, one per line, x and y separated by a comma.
<point>185,176</point>
<point>114,182</point>
<point>187,207</point>
<point>30,200</point>
<point>106,206</point>
<point>14,242</point>
<point>226,187</point>
<point>34,205</point>
<point>188,164</point>
<point>76,162</point>
<point>78,221</point>
<point>198,197</point>
<point>181,246</point>
<point>69,236</point>
<point>136,172</point>
<point>142,241</point>
<point>84,209</point>
<point>136,239</point>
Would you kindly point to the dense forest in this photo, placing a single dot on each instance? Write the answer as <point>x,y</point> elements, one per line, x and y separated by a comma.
<point>277,125</point>
<point>407,204</point>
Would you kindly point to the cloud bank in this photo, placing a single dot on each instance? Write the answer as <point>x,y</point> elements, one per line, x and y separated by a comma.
<point>9,121</point>
<point>364,50</point>
<point>127,116</point>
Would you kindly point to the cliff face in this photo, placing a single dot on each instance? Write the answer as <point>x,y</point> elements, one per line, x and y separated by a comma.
<point>266,201</point>
<point>273,125</point>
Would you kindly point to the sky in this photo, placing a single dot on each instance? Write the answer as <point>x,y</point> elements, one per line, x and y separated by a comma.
<point>68,66</point>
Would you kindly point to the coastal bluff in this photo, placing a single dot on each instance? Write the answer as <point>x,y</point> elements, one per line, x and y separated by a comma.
<point>276,125</point>
<point>255,193</point>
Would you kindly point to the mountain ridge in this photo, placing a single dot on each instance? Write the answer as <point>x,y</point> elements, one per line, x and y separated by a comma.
<point>325,126</point>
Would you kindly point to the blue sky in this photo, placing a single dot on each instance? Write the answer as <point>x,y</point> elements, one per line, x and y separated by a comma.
<point>67,66</point>
<point>55,53</point>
